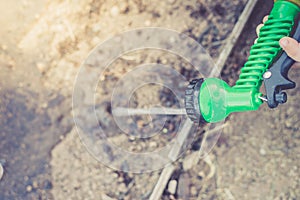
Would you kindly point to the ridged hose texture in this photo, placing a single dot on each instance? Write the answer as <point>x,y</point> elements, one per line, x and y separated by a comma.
<point>267,48</point>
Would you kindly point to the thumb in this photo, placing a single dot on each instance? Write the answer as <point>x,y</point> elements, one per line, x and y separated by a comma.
<point>291,47</point>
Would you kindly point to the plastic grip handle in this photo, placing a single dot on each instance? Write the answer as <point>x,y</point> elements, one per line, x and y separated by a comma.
<point>280,23</point>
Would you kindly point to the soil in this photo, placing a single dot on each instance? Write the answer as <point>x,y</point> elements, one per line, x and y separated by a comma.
<point>42,46</point>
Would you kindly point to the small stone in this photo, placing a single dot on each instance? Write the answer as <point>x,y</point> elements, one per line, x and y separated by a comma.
<point>96,28</point>
<point>29,188</point>
<point>115,175</point>
<point>147,23</point>
<point>262,152</point>
<point>152,144</point>
<point>41,66</point>
<point>193,191</point>
<point>1,171</point>
<point>201,175</point>
<point>172,186</point>
<point>122,188</point>
<point>35,184</point>
<point>120,179</point>
<point>123,6</point>
<point>165,130</point>
<point>140,124</point>
<point>4,47</point>
<point>114,11</point>
<point>44,105</point>
<point>131,138</point>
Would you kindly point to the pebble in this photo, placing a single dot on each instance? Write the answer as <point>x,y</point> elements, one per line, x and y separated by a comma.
<point>152,144</point>
<point>131,138</point>
<point>165,130</point>
<point>147,23</point>
<point>262,152</point>
<point>1,171</point>
<point>201,175</point>
<point>41,66</point>
<point>193,191</point>
<point>122,188</point>
<point>114,11</point>
<point>4,47</point>
<point>172,186</point>
<point>29,188</point>
<point>35,184</point>
<point>115,175</point>
<point>96,27</point>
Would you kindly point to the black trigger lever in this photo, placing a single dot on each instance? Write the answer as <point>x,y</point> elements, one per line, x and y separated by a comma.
<point>276,78</point>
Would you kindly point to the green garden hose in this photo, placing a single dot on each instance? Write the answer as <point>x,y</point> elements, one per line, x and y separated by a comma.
<point>212,100</point>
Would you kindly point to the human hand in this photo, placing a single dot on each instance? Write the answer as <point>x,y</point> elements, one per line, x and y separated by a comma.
<point>291,47</point>
<point>288,44</point>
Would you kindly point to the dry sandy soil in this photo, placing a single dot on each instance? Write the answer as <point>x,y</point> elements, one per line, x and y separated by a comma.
<point>42,46</point>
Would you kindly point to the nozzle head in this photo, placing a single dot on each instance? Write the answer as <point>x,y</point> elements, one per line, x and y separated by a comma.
<point>192,104</point>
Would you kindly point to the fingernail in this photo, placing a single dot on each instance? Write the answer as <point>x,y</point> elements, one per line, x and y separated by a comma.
<point>283,42</point>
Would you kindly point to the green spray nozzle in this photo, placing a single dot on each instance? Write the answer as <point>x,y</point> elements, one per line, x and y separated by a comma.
<point>212,99</point>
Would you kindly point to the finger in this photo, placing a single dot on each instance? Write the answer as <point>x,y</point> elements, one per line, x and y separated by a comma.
<point>265,18</point>
<point>255,41</point>
<point>291,47</point>
<point>258,29</point>
<point>296,65</point>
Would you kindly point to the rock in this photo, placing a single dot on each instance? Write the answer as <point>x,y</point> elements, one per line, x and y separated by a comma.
<point>114,11</point>
<point>147,23</point>
<point>35,184</point>
<point>152,144</point>
<point>122,188</point>
<point>4,47</point>
<point>165,130</point>
<point>29,188</point>
<point>41,66</point>
<point>172,186</point>
<point>201,175</point>
<point>193,191</point>
<point>262,152</point>
<point>97,27</point>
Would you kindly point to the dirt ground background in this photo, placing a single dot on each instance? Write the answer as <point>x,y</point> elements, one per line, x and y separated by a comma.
<point>42,46</point>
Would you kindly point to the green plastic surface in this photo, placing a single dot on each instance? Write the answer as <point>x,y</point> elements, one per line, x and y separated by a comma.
<point>217,100</point>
